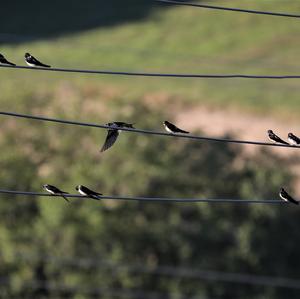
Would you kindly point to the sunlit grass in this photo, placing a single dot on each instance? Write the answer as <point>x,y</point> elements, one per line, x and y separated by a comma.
<point>183,40</point>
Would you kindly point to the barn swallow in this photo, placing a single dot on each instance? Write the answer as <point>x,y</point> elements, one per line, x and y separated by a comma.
<point>286,197</point>
<point>88,192</point>
<point>275,138</point>
<point>171,128</point>
<point>33,62</point>
<point>4,61</point>
<point>113,133</point>
<point>55,191</point>
<point>293,139</point>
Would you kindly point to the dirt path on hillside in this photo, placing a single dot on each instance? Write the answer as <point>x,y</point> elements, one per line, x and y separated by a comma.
<point>216,122</point>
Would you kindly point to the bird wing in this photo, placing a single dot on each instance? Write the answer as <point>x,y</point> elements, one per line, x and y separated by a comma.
<point>54,189</point>
<point>278,139</point>
<point>95,193</point>
<point>111,138</point>
<point>10,63</point>
<point>124,125</point>
<point>176,129</point>
<point>59,192</point>
<point>4,60</point>
<point>291,199</point>
<point>89,191</point>
<point>182,131</point>
<point>37,62</point>
<point>33,60</point>
<point>297,139</point>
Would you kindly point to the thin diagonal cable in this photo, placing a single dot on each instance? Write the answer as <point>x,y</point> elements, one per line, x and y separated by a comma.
<point>68,122</point>
<point>143,74</point>
<point>124,292</point>
<point>153,199</point>
<point>167,270</point>
<point>259,12</point>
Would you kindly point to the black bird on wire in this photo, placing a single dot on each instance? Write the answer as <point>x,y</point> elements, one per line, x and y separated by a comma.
<point>4,61</point>
<point>171,128</point>
<point>286,197</point>
<point>55,191</point>
<point>85,191</point>
<point>33,62</point>
<point>113,133</point>
<point>293,139</point>
<point>275,138</point>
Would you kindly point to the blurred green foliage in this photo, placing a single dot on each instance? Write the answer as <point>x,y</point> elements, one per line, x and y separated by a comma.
<point>44,242</point>
<point>150,36</point>
<point>88,249</point>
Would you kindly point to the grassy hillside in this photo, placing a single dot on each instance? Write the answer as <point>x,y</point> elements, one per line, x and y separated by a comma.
<point>44,241</point>
<point>177,39</point>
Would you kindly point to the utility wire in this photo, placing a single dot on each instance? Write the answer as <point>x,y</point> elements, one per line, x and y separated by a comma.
<point>154,199</point>
<point>142,74</point>
<point>277,14</point>
<point>187,136</point>
<point>96,290</point>
<point>89,263</point>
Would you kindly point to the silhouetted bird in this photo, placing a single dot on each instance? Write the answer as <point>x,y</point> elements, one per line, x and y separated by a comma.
<point>171,128</point>
<point>293,139</point>
<point>286,197</point>
<point>113,133</point>
<point>55,191</point>
<point>4,61</point>
<point>33,62</point>
<point>88,192</point>
<point>275,138</point>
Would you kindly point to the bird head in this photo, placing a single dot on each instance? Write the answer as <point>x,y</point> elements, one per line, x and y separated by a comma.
<point>282,190</point>
<point>165,122</point>
<point>270,132</point>
<point>27,55</point>
<point>1,55</point>
<point>290,134</point>
<point>45,186</point>
<point>77,187</point>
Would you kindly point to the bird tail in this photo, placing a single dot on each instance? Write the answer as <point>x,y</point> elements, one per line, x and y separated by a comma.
<point>10,63</point>
<point>185,132</point>
<point>45,65</point>
<point>102,149</point>
<point>65,198</point>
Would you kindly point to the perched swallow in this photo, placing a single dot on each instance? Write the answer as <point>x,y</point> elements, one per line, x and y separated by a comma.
<point>293,139</point>
<point>33,62</point>
<point>113,133</point>
<point>172,128</point>
<point>55,191</point>
<point>88,192</point>
<point>275,138</point>
<point>120,124</point>
<point>286,197</point>
<point>4,61</point>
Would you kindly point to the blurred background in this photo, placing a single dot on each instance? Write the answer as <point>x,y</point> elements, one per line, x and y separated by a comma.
<point>109,249</point>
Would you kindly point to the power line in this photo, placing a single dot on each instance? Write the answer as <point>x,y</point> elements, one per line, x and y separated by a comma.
<point>186,136</point>
<point>171,271</point>
<point>154,199</point>
<point>114,292</point>
<point>277,14</point>
<point>143,74</point>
